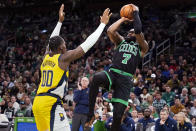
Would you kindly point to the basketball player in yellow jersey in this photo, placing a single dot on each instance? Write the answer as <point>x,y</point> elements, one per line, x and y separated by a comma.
<point>47,107</point>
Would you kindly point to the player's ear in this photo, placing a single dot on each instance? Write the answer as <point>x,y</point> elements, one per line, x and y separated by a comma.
<point>60,49</point>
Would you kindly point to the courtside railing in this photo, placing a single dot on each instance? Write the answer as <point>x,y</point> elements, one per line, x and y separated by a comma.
<point>177,37</point>
<point>146,60</point>
<point>163,47</point>
<point>12,40</point>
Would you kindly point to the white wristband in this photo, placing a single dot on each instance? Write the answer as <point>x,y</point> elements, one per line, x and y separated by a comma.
<point>92,39</point>
<point>56,30</point>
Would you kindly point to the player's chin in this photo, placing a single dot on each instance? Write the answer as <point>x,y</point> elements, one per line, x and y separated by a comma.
<point>129,38</point>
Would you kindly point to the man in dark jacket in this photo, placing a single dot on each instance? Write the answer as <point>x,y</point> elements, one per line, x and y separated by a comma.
<point>165,123</point>
<point>81,109</point>
<point>127,124</point>
<point>146,123</point>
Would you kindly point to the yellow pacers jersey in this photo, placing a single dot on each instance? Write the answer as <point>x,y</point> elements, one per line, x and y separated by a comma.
<point>53,78</point>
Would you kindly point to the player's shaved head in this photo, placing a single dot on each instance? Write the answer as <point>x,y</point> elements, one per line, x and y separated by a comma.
<point>55,42</point>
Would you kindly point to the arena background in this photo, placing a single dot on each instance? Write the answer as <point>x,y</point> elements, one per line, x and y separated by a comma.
<point>25,26</point>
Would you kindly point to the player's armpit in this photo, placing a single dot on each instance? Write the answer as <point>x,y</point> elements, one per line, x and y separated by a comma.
<point>72,55</point>
<point>113,34</point>
<point>142,43</point>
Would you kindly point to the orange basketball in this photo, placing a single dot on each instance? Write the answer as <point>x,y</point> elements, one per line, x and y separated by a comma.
<point>127,11</point>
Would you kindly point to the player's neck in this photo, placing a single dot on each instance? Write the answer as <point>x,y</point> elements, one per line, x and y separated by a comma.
<point>53,53</point>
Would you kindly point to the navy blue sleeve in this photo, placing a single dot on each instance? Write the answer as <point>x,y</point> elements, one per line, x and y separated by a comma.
<point>157,125</point>
<point>129,125</point>
<point>133,125</point>
<point>125,128</point>
<point>175,126</point>
<point>107,123</point>
<point>190,127</point>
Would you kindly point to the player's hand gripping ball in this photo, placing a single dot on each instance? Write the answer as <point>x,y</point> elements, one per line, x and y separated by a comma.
<point>127,11</point>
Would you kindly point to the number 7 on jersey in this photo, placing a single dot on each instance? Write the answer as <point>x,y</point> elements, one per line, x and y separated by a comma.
<point>127,57</point>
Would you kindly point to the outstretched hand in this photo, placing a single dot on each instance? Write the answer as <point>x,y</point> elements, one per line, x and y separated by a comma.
<point>106,16</point>
<point>61,13</point>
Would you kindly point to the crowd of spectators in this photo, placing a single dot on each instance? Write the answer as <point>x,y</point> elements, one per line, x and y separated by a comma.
<point>169,84</point>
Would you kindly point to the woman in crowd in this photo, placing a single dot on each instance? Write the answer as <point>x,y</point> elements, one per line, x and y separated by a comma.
<point>183,122</point>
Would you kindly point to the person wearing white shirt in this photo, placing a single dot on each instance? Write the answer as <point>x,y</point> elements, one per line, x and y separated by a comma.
<point>28,104</point>
<point>193,109</point>
<point>69,97</point>
<point>144,95</point>
<point>15,104</point>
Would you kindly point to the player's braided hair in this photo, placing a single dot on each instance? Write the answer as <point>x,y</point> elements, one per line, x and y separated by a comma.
<point>55,42</point>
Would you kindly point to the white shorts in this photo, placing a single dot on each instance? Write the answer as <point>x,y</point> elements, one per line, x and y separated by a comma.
<point>61,122</point>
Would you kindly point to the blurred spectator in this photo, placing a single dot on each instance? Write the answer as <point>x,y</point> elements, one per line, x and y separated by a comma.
<point>15,104</point>
<point>23,112</point>
<point>154,113</point>
<point>99,123</point>
<point>174,83</point>
<point>158,102</point>
<point>144,95</point>
<point>184,94</point>
<point>134,116</point>
<point>138,88</point>
<point>140,115</point>
<point>193,121</point>
<point>28,103</point>
<point>171,114</point>
<point>168,96</point>
<point>108,96</point>
<point>3,105</point>
<point>9,112</point>
<point>69,97</point>
<point>177,107</point>
<point>146,123</point>
<point>183,122</point>
<point>184,82</point>
<point>193,94</point>
<point>193,109</point>
<point>166,72</point>
<point>148,103</point>
<point>81,108</point>
<point>165,123</point>
<point>127,123</point>
<point>134,99</point>
<point>21,93</point>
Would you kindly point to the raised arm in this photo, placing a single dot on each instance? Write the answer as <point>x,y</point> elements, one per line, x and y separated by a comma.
<point>90,41</point>
<point>57,29</point>
<point>113,34</point>
<point>142,43</point>
<point>138,31</point>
